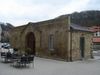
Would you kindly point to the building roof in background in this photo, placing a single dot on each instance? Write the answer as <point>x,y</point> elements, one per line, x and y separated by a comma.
<point>95,28</point>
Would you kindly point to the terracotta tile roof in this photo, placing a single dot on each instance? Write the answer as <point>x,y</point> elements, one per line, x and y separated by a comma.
<point>96,39</point>
<point>95,28</point>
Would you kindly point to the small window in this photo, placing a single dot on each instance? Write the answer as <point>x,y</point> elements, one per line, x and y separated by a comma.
<point>97,34</point>
<point>51,42</point>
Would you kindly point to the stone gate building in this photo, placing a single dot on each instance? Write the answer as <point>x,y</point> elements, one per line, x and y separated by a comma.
<point>55,39</point>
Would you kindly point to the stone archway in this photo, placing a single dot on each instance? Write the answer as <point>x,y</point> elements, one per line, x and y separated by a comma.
<point>30,43</point>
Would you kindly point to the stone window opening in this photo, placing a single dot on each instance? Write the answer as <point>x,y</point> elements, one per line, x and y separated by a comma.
<point>51,42</point>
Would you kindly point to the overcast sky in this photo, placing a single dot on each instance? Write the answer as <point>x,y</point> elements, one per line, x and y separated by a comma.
<point>19,12</point>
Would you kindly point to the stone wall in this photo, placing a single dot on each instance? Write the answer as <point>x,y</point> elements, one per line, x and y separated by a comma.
<point>76,54</point>
<point>42,31</point>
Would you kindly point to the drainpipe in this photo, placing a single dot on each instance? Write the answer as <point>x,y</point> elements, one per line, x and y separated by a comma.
<point>69,39</point>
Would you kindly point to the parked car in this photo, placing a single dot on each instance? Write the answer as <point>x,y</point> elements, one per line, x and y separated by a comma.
<point>5,47</point>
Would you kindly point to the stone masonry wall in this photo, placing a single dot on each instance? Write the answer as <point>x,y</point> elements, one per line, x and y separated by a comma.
<point>76,54</point>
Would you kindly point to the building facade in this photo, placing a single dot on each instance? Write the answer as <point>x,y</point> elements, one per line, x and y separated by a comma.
<point>55,39</point>
<point>96,37</point>
<point>96,31</point>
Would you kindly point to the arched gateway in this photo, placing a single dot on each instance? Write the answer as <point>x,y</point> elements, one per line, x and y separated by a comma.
<point>30,43</point>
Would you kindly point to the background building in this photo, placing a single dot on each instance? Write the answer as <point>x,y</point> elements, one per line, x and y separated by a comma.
<point>96,37</point>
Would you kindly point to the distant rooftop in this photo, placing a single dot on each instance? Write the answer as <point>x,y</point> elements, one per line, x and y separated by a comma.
<point>95,28</point>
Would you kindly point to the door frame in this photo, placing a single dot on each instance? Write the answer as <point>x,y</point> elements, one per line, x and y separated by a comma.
<point>30,42</point>
<point>82,46</point>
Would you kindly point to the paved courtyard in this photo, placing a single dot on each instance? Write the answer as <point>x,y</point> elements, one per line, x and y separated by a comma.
<point>52,67</point>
